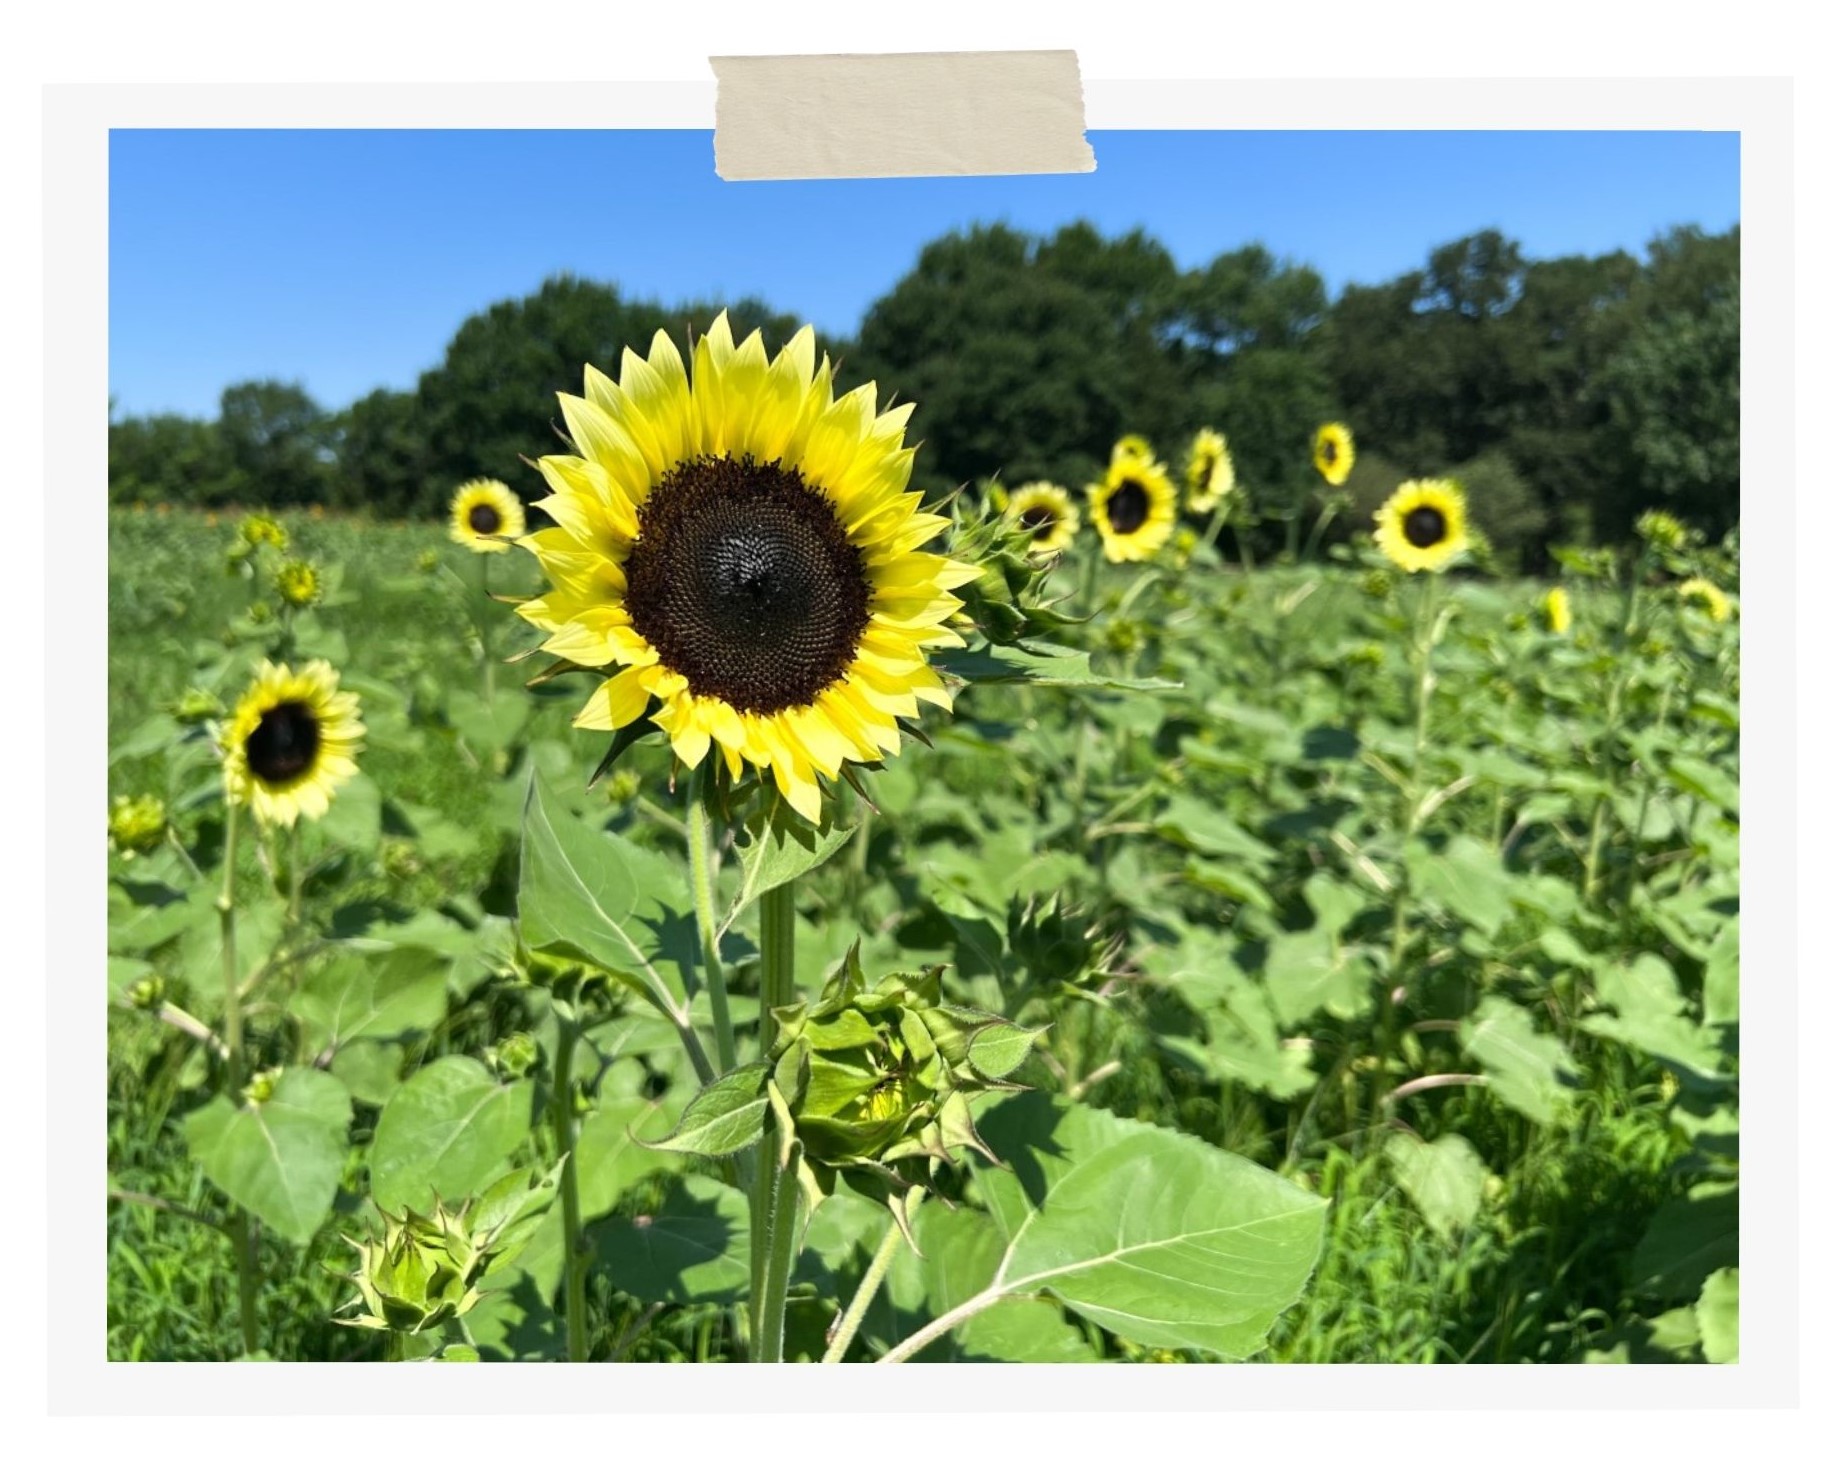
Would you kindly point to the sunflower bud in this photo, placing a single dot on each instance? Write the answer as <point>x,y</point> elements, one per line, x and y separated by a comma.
<point>298,583</point>
<point>259,528</point>
<point>149,993</point>
<point>1662,532</point>
<point>195,706</point>
<point>515,1056</point>
<point>1376,584</point>
<point>261,1086</point>
<point>1055,944</point>
<point>137,824</point>
<point>424,1271</point>
<point>1007,601</point>
<point>873,1075</point>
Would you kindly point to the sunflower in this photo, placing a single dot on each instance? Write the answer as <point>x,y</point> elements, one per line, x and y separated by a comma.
<point>299,584</point>
<point>1718,605</point>
<point>744,552</point>
<point>1557,610</point>
<point>1209,472</point>
<point>1046,511</point>
<point>1133,508</point>
<point>1334,453</point>
<point>485,516</point>
<point>290,742</point>
<point>1423,525</point>
<point>1133,445</point>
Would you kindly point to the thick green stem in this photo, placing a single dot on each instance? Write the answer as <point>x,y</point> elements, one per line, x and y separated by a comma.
<point>565,1129</point>
<point>240,1228</point>
<point>863,1296</point>
<point>775,1196</point>
<point>699,861</point>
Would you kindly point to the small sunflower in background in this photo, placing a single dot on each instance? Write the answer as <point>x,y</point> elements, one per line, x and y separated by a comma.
<point>1334,453</point>
<point>1046,511</point>
<point>260,528</point>
<point>1133,445</point>
<point>290,742</point>
<point>1209,472</point>
<point>1557,610</point>
<point>1706,593</point>
<point>740,546</point>
<point>1132,508</point>
<point>299,584</point>
<point>485,515</point>
<point>1423,526</point>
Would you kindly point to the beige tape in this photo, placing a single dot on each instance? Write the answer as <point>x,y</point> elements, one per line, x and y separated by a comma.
<point>917,113</point>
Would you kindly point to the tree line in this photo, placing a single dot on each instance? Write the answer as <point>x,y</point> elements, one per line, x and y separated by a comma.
<point>1566,394</point>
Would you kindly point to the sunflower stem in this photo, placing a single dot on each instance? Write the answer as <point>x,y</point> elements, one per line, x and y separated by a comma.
<point>565,1129</point>
<point>240,1229</point>
<point>863,1296</point>
<point>774,1192</point>
<point>699,862</point>
<point>1217,522</point>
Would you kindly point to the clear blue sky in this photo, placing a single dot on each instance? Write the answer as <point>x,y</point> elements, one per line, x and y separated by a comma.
<point>345,259</point>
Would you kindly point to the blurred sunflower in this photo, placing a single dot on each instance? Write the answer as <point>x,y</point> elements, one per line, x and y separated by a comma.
<point>260,528</point>
<point>1132,508</point>
<point>1334,453</point>
<point>744,552</point>
<point>289,743</point>
<point>485,515</point>
<point>1423,525</point>
<point>299,584</point>
<point>1133,445</point>
<point>1557,610</point>
<point>1209,472</point>
<point>1718,604</point>
<point>1046,511</point>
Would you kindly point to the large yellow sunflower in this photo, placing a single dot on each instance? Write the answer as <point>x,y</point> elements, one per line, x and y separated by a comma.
<point>1209,472</point>
<point>1423,525</point>
<point>1334,453</point>
<point>744,553</point>
<point>1133,507</point>
<point>486,515</point>
<point>1046,511</point>
<point>289,743</point>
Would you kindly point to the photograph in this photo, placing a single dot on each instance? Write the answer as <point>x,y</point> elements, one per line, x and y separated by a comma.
<point>1131,767</point>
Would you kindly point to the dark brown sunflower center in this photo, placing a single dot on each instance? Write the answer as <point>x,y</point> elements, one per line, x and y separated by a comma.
<point>1328,452</point>
<point>284,743</point>
<point>746,583</point>
<point>1424,526</point>
<point>484,518</point>
<point>1038,520</point>
<point>1127,507</point>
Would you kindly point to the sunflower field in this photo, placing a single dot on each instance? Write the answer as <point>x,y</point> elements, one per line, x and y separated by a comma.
<point>736,908</point>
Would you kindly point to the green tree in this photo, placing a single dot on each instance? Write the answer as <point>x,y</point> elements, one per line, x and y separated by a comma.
<point>280,443</point>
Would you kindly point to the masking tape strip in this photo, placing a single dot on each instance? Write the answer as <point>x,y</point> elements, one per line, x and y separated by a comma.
<point>916,113</point>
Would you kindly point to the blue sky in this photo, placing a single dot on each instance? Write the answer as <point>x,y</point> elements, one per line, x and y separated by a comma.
<point>346,259</point>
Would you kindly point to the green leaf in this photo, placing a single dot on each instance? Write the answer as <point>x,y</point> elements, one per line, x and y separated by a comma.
<point>485,727</point>
<point>1529,1072</point>
<point>1042,664</point>
<point>695,1249</point>
<point>1651,1015</point>
<point>354,820</point>
<point>1157,1236</point>
<point>446,1133</point>
<point>1444,1179</point>
<point>582,892</point>
<point>1718,1313</point>
<point>281,1159</point>
<point>1687,1239</point>
<point>726,1115</point>
<point>1201,827</point>
<point>1720,997</point>
<point>781,855</point>
<point>1467,879</point>
<point>373,993</point>
<point>1712,784</point>
<point>1305,975</point>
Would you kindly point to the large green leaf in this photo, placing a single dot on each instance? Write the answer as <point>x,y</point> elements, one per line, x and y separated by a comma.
<point>1528,1071</point>
<point>1720,997</point>
<point>1305,973</point>
<point>1687,1239</point>
<point>1041,663</point>
<point>1443,1178</point>
<point>280,1159</point>
<point>1191,822</point>
<point>780,855</point>
<point>1155,1235</point>
<point>695,1249</point>
<point>1650,1014</point>
<point>446,1133</point>
<point>585,894</point>
<point>373,993</point>
<point>1467,879</point>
